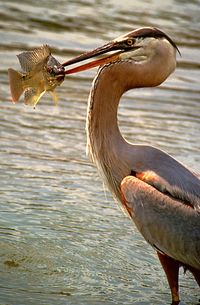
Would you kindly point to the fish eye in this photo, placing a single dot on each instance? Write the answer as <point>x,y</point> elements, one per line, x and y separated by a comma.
<point>130,41</point>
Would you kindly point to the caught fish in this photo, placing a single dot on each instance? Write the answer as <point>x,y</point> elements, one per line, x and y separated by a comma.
<point>41,73</point>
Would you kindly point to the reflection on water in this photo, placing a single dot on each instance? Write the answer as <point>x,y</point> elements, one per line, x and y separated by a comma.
<point>63,239</point>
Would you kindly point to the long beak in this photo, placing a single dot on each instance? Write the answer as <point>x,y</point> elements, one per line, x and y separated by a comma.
<point>112,46</point>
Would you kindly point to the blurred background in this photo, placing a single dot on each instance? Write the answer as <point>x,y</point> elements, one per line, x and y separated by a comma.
<point>63,238</point>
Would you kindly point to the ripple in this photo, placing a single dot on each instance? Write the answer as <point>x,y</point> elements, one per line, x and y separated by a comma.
<point>63,239</point>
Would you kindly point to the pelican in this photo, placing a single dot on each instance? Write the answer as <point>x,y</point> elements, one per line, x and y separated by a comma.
<point>161,195</point>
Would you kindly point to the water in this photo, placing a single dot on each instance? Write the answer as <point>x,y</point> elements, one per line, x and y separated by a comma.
<point>63,238</point>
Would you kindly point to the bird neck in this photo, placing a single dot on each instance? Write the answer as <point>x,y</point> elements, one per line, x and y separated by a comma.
<point>105,144</point>
<point>104,140</point>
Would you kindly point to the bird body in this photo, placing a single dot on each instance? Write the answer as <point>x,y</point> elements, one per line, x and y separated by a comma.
<point>161,220</point>
<point>156,173</point>
<point>160,194</point>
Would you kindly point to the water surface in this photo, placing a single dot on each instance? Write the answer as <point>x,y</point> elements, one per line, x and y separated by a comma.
<point>63,238</point>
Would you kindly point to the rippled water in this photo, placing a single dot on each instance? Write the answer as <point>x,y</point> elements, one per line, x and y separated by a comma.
<point>63,238</point>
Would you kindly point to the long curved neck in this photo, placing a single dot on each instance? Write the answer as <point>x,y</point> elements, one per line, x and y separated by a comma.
<point>104,138</point>
<point>106,146</point>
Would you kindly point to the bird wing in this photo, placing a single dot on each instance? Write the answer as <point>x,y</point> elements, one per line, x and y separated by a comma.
<point>165,222</point>
<point>186,189</point>
<point>168,176</point>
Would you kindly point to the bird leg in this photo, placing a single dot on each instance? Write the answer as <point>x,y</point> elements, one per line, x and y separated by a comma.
<point>196,274</point>
<point>171,268</point>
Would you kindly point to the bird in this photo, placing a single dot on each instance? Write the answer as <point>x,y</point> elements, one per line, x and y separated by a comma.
<point>160,194</point>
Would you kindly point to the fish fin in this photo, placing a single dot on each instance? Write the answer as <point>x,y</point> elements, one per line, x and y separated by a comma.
<point>16,88</point>
<point>32,96</point>
<point>30,59</point>
<point>54,96</point>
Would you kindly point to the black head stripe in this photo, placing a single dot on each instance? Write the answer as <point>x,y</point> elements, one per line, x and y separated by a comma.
<point>153,32</point>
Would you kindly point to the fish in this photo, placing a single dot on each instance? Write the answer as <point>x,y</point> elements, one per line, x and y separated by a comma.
<point>41,72</point>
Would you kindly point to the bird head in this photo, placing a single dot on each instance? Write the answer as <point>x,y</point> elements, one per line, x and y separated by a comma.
<point>138,45</point>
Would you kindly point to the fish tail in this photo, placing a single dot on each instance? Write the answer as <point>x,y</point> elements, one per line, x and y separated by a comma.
<point>16,87</point>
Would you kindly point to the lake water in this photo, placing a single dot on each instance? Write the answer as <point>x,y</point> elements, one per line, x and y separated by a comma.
<point>63,239</point>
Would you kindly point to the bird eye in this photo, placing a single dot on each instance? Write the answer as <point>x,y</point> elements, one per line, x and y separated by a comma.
<point>130,42</point>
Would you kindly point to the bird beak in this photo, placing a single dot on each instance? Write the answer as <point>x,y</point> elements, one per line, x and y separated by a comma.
<point>109,47</point>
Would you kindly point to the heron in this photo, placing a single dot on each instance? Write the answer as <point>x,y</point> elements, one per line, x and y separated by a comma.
<point>160,194</point>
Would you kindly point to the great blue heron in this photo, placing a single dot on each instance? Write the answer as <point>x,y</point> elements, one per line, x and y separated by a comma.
<point>160,194</point>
